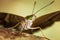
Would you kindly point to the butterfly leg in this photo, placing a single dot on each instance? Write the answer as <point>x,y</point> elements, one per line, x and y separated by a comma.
<point>40,30</point>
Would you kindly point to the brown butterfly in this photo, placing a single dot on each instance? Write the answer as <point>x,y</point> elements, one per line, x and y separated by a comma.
<point>30,23</point>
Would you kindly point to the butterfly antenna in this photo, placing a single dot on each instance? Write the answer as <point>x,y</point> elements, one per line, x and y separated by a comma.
<point>34,6</point>
<point>44,7</point>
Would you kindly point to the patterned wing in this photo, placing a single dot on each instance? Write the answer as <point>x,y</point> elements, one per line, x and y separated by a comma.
<point>10,20</point>
<point>45,21</point>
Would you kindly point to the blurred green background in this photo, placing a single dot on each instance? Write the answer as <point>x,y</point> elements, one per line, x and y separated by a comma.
<point>24,8</point>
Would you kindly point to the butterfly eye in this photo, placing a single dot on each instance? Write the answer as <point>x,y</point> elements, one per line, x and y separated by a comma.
<point>30,18</point>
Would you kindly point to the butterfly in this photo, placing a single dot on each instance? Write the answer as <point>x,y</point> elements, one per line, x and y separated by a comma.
<point>30,23</point>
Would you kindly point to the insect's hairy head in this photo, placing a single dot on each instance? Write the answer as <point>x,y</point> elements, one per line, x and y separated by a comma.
<point>30,16</point>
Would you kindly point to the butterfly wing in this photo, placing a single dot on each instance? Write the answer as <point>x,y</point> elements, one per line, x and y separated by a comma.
<point>45,21</point>
<point>10,20</point>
